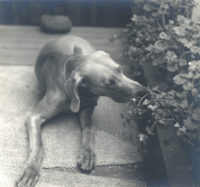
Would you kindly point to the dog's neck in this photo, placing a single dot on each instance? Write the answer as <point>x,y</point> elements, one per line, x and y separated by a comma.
<point>86,97</point>
<point>85,93</point>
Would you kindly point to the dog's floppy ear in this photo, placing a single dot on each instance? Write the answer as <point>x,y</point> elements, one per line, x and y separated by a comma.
<point>71,62</point>
<point>72,85</point>
<point>73,79</point>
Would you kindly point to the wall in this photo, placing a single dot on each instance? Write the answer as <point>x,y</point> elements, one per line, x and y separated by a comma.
<point>82,12</point>
<point>196,11</point>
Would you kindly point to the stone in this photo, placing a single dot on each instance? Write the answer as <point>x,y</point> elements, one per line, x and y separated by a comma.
<point>55,23</point>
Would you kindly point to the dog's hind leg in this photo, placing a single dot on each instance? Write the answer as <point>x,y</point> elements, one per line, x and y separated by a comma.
<point>87,156</point>
<point>48,107</point>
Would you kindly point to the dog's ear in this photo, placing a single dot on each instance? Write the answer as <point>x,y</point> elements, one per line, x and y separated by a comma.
<point>72,85</point>
<point>77,50</point>
<point>72,61</point>
<point>73,78</point>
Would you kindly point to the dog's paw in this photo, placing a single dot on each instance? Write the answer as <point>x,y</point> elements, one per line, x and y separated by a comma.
<point>86,161</point>
<point>29,177</point>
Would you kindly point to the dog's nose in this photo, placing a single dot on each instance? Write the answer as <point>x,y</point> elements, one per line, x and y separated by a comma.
<point>143,91</point>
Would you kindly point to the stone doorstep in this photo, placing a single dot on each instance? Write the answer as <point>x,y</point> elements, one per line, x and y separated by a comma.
<point>125,171</point>
<point>18,95</point>
<point>59,178</point>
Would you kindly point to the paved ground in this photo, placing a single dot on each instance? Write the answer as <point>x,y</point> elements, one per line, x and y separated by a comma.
<point>118,160</point>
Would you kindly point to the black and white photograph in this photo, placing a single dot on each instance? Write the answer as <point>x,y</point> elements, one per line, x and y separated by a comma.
<point>100,93</point>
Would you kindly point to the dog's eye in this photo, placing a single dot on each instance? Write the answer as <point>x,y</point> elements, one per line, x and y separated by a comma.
<point>119,69</point>
<point>111,82</point>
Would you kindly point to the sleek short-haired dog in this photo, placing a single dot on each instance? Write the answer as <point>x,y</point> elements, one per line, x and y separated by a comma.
<point>72,75</point>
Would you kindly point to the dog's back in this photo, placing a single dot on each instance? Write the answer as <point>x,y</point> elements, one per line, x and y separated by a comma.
<point>54,54</point>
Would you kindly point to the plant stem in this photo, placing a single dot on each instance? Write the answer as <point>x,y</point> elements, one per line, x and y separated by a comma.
<point>142,99</point>
<point>154,124</point>
<point>163,20</point>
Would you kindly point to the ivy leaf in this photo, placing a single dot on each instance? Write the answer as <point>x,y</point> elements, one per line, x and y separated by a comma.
<point>187,86</point>
<point>157,116</point>
<point>196,75</point>
<point>182,129</point>
<point>158,61</point>
<point>164,36</point>
<point>141,137</point>
<point>177,125</point>
<point>182,62</point>
<point>135,18</point>
<point>161,122</point>
<point>133,100</point>
<point>172,67</point>
<point>155,14</point>
<point>153,107</point>
<point>171,56</point>
<point>132,50</point>
<point>139,20</point>
<point>171,94</point>
<point>195,93</point>
<point>180,31</point>
<point>148,7</point>
<point>180,96</point>
<point>160,46</point>
<point>189,75</point>
<point>185,42</point>
<point>196,115</point>
<point>149,131</point>
<point>189,124</point>
<point>180,79</point>
<point>194,66</point>
<point>171,22</point>
<point>164,5</point>
<point>172,60</point>
<point>183,20</point>
<point>183,104</point>
<point>146,102</point>
<point>195,49</point>
<point>150,47</point>
<point>196,35</point>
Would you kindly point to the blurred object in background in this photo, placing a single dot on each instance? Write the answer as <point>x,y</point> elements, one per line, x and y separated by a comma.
<point>114,13</point>
<point>55,24</point>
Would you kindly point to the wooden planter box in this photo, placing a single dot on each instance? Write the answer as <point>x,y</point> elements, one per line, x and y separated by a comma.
<point>178,161</point>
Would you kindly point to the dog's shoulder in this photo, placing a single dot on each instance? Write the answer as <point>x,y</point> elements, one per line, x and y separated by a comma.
<point>74,61</point>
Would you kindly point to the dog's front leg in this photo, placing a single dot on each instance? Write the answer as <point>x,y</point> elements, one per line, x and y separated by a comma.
<point>46,109</point>
<point>87,156</point>
<point>30,172</point>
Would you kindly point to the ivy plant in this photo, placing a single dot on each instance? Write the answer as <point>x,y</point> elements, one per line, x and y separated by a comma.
<point>162,34</point>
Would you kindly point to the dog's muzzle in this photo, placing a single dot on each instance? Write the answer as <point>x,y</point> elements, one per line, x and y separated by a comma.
<point>143,92</point>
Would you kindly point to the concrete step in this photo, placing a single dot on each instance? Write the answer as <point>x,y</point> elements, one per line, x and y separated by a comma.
<point>115,138</point>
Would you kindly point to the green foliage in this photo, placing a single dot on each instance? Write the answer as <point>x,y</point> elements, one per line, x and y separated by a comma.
<point>162,34</point>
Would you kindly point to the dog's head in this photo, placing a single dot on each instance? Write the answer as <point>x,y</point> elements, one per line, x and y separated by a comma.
<point>101,76</point>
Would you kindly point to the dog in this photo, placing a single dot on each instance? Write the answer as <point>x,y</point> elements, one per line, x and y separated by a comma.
<point>72,75</point>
